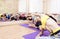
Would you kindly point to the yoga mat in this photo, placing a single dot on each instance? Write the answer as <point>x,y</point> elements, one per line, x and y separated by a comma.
<point>59,24</point>
<point>34,34</point>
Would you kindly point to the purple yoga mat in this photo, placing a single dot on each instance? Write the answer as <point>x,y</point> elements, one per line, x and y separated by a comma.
<point>34,34</point>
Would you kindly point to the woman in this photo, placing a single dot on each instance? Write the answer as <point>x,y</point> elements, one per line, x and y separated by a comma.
<point>49,24</point>
<point>22,17</point>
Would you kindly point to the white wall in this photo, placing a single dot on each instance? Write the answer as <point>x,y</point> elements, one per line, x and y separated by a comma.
<point>34,6</point>
<point>22,6</point>
<point>8,6</point>
<point>54,6</point>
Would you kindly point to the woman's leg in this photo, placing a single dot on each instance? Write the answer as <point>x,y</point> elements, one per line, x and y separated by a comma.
<point>51,25</point>
<point>41,31</point>
<point>49,29</point>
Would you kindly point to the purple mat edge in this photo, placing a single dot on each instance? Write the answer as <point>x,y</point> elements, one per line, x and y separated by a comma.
<point>31,34</point>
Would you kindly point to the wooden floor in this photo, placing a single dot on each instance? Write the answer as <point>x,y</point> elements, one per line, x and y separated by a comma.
<point>14,32</point>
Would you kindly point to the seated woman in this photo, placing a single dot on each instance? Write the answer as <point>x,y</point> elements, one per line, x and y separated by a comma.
<point>13,18</point>
<point>22,17</point>
<point>3,17</point>
<point>0,17</point>
<point>49,24</point>
<point>30,20</point>
<point>8,16</point>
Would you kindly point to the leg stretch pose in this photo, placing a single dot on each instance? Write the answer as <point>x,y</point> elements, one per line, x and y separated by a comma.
<point>49,24</point>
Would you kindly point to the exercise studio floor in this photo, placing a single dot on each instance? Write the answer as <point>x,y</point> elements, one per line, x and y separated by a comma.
<point>14,31</point>
<point>19,31</point>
